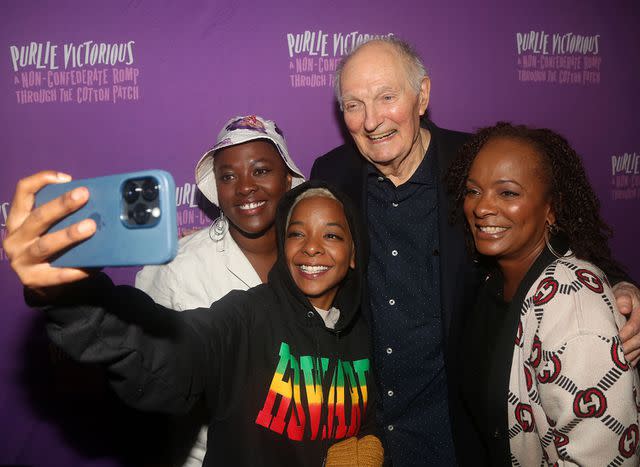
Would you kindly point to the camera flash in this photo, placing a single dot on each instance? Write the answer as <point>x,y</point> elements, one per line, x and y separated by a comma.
<point>155,212</point>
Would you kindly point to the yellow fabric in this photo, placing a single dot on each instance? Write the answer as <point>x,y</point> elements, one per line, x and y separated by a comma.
<point>363,452</point>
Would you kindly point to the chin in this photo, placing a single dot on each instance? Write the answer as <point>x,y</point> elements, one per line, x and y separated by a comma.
<point>252,231</point>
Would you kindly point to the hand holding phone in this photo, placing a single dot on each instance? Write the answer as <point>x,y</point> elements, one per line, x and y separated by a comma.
<point>27,243</point>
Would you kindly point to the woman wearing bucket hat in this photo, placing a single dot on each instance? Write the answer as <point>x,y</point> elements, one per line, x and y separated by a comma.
<point>245,174</point>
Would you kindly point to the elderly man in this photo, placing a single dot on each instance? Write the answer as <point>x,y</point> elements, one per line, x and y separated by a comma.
<point>417,302</point>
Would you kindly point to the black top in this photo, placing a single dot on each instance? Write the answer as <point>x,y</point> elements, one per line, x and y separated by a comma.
<point>481,396</point>
<point>485,357</point>
<point>280,387</point>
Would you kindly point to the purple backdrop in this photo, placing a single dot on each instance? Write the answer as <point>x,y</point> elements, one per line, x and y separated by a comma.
<point>93,88</point>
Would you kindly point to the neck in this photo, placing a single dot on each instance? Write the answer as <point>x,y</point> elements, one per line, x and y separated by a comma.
<point>402,171</point>
<point>261,251</point>
<point>513,270</point>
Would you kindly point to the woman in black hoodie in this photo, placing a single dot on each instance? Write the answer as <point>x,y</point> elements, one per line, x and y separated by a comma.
<point>284,367</point>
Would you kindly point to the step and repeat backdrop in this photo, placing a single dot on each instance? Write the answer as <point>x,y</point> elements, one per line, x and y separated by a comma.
<point>94,88</point>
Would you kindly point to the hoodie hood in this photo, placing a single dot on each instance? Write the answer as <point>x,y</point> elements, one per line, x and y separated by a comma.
<point>349,294</point>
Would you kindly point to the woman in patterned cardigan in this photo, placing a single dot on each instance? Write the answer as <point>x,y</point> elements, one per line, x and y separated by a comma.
<point>547,381</point>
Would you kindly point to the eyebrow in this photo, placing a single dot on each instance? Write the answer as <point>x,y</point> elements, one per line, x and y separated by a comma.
<point>376,93</point>
<point>252,162</point>
<point>328,224</point>
<point>497,182</point>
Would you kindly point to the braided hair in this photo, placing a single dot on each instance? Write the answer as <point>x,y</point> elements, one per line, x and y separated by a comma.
<point>573,200</point>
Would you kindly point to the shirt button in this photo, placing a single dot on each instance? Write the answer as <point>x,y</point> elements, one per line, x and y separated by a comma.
<point>395,205</point>
<point>390,427</point>
<point>389,350</point>
<point>436,252</point>
<point>496,434</point>
<point>390,393</point>
<point>394,253</point>
<point>381,179</point>
<point>392,302</point>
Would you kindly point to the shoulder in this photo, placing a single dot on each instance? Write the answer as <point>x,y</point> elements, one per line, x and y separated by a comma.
<point>345,157</point>
<point>196,256</point>
<point>195,248</point>
<point>190,248</point>
<point>196,240</point>
<point>572,297</point>
<point>445,136</point>
<point>454,136</point>
<point>247,305</point>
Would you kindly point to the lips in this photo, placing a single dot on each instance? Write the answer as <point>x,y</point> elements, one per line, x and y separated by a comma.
<point>382,136</point>
<point>491,229</point>
<point>252,205</point>
<point>312,271</point>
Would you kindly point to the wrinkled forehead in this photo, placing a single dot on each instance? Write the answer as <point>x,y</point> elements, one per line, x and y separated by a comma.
<point>376,62</point>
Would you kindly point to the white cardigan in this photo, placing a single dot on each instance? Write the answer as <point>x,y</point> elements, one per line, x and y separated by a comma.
<point>200,274</point>
<point>573,399</point>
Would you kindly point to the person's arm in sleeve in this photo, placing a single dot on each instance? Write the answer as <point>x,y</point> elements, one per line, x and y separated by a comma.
<point>155,358</point>
<point>591,404</point>
<point>159,282</point>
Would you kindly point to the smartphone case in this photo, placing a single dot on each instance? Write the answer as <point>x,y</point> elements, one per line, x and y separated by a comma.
<point>114,243</point>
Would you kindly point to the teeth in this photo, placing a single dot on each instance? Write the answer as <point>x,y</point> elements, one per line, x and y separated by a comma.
<point>246,207</point>
<point>313,269</point>
<point>376,138</point>
<point>492,229</point>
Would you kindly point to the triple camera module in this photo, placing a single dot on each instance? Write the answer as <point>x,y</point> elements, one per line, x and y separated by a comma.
<point>141,204</point>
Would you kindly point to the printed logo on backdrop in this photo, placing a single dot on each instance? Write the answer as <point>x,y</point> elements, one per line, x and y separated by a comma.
<point>190,217</point>
<point>625,176</point>
<point>314,55</point>
<point>74,73</point>
<point>558,58</point>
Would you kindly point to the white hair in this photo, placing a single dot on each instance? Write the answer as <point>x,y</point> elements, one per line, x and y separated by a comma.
<point>415,68</point>
<point>310,193</point>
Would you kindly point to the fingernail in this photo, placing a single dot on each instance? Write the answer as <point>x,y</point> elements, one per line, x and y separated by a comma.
<point>63,177</point>
<point>78,193</point>
<point>85,226</point>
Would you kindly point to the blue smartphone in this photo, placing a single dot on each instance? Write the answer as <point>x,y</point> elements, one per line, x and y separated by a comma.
<point>135,214</point>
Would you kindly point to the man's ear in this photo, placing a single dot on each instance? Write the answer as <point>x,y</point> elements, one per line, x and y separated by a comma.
<point>289,180</point>
<point>423,95</point>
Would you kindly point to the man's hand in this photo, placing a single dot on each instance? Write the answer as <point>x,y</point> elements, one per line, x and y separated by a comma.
<point>27,244</point>
<point>628,302</point>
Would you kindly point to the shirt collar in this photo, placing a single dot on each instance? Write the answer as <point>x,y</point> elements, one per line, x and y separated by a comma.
<point>425,174</point>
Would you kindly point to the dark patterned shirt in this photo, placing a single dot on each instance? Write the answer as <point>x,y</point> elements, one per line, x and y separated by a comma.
<point>404,287</point>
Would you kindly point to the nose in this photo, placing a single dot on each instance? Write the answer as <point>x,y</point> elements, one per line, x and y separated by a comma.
<point>484,206</point>
<point>312,247</point>
<point>372,118</point>
<point>246,185</point>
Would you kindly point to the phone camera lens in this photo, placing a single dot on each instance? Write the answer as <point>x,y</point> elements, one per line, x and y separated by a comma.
<point>149,190</point>
<point>131,192</point>
<point>140,214</point>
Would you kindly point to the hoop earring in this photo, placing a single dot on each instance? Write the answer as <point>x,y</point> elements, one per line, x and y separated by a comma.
<point>552,230</point>
<point>219,228</point>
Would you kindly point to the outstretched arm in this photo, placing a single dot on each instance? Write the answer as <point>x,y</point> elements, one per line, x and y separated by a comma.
<point>153,356</point>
